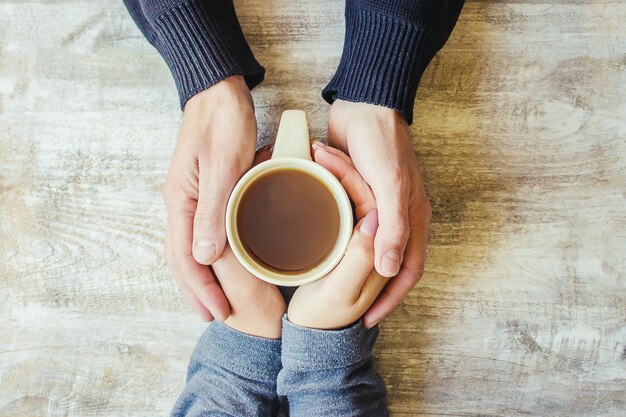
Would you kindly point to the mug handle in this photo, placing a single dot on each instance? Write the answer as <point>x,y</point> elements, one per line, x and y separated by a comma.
<point>292,139</point>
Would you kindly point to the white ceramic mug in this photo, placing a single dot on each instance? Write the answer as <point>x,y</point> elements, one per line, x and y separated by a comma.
<point>291,151</point>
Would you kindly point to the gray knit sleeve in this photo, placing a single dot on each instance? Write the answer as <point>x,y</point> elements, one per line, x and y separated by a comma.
<point>231,374</point>
<point>330,373</point>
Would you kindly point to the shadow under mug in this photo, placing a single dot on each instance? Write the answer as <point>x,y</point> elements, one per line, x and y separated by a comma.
<point>291,152</point>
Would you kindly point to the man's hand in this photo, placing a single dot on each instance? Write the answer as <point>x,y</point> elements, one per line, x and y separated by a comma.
<point>378,140</point>
<point>215,148</point>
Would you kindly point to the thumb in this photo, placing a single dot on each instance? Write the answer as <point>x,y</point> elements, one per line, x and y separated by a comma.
<point>348,277</point>
<point>209,229</point>
<point>393,233</point>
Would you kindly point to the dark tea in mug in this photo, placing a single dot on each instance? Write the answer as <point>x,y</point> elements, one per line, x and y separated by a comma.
<point>288,221</point>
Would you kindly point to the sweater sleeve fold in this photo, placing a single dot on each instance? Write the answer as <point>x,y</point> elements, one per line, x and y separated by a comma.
<point>231,374</point>
<point>201,42</point>
<point>330,372</point>
<point>387,47</point>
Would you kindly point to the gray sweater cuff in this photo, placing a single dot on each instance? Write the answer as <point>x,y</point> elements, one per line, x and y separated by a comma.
<point>223,346</point>
<point>309,349</point>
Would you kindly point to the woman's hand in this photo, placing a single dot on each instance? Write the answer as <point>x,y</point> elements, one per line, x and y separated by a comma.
<point>215,148</point>
<point>256,307</point>
<point>345,294</point>
<point>378,140</point>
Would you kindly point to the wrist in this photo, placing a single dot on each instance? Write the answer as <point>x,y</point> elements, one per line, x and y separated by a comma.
<point>229,92</point>
<point>354,108</point>
<point>346,115</point>
<point>256,325</point>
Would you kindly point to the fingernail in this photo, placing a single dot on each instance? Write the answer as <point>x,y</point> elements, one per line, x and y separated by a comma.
<point>372,324</point>
<point>369,224</point>
<point>317,145</point>
<point>204,250</point>
<point>391,263</point>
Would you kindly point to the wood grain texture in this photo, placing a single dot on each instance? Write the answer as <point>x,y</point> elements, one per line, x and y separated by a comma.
<point>520,128</point>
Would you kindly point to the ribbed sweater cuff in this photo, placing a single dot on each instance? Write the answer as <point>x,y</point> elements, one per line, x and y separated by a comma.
<point>249,356</point>
<point>306,349</point>
<point>383,59</point>
<point>202,43</point>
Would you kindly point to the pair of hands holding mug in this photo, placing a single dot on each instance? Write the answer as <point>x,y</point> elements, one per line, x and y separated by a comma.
<point>336,300</point>
<point>216,146</point>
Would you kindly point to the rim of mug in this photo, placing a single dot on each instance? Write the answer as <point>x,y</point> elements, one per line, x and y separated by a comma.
<point>345,222</point>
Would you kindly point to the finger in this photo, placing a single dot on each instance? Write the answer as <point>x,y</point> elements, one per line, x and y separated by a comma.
<point>348,277</point>
<point>410,274</point>
<point>232,275</point>
<point>203,284</point>
<point>356,187</point>
<point>209,230</point>
<point>198,307</point>
<point>198,278</point>
<point>392,201</point>
<point>317,145</point>
<point>195,302</point>
<point>371,289</point>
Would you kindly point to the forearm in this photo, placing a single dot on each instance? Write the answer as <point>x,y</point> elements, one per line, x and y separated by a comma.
<point>231,374</point>
<point>387,47</point>
<point>330,372</point>
<point>201,42</point>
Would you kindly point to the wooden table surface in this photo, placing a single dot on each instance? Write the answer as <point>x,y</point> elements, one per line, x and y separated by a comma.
<point>520,128</point>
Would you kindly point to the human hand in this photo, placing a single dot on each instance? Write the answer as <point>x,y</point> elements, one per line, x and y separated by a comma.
<point>378,140</point>
<point>342,296</point>
<point>215,148</point>
<point>256,307</point>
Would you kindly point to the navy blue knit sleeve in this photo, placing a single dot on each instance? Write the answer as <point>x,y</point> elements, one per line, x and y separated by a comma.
<point>388,45</point>
<point>200,40</point>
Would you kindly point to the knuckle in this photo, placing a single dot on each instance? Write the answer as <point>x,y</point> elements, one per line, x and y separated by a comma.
<point>363,252</point>
<point>204,153</point>
<point>416,274</point>
<point>395,181</point>
<point>206,217</point>
<point>420,271</point>
<point>399,234</point>
<point>427,211</point>
<point>173,196</point>
<point>401,178</point>
<point>421,213</point>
